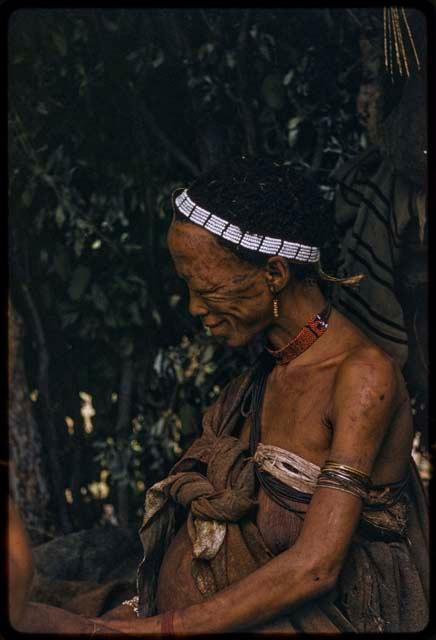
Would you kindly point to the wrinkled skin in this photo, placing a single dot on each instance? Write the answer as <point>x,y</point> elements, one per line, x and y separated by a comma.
<point>234,298</point>
<point>343,399</point>
<point>222,289</point>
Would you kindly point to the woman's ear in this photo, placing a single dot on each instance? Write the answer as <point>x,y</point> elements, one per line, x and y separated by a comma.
<point>277,273</point>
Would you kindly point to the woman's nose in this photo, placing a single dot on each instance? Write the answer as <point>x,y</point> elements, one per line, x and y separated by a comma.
<point>197,306</point>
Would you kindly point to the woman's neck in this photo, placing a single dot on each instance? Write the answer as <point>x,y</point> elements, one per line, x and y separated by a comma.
<point>296,308</point>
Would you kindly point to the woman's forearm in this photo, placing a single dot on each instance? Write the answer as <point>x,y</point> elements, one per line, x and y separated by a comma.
<point>43,618</point>
<point>304,572</point>
<point>283,583</point>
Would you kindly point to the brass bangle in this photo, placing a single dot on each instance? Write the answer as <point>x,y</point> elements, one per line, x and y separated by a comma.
<point>347,476</point>
<point>338,488</point>
<point>337,465</point>
<point>344,478</point>
<point>356,491</point>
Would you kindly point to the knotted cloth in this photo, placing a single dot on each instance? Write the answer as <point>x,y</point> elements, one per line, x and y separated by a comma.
<point>215,481</point>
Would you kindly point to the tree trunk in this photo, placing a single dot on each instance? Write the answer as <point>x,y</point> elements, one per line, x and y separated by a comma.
<point>122,428</point>
<point>28,481</point>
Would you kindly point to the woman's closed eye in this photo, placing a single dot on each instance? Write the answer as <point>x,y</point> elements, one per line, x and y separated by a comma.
<point>205,292</point>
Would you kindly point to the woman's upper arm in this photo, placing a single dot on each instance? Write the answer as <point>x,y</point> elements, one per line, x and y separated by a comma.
<point>365,397</point>
<point>364,401</point>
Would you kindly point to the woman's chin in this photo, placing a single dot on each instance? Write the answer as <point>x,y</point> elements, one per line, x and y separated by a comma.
<point>231,338</point>
<point>235,340</point>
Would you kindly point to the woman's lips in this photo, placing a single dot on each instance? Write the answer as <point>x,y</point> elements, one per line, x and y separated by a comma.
<point>213,326</point>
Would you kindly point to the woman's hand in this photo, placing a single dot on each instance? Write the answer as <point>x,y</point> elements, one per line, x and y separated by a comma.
<point>43,618</point>
<point>132,625</point>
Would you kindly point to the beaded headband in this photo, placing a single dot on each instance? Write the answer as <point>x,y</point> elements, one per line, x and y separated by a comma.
<point>232,233</point>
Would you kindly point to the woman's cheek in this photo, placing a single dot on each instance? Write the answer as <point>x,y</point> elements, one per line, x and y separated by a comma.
<point>243,318</point>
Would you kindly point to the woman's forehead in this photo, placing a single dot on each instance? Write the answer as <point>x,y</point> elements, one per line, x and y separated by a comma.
<point>183,235</point>
<point>189,242</point>
<point>196,253</point>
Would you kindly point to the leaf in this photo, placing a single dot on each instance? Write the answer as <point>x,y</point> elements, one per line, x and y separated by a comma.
<point>293,128</point>
<point>61,263</point>
<point>26,199</point>
<point>60,43</point>
<point>110,24</point>
<point>79,282</point>
<point>288,77</point>
<point>199,378</point>
<point>158,60</point>
<point>265,52</point>
<point>99,298</point>
<point>42,109</point>
<point>156,317</point>
<point>208,353</point>
<point>135,314</point>
<point>273,92</point>
<point>132,277</point>
<point>69,318</point>
<point>126,347</point>
<point>132,56</point>
<point>59,216</point>
<point>230,59</point>
<point>78,247</point>
<point>110,320</point>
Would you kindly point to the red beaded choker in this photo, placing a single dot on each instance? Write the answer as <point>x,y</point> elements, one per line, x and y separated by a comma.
<point>304,338</point>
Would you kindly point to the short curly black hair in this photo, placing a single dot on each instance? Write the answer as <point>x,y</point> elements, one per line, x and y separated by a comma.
<point>265,197</point>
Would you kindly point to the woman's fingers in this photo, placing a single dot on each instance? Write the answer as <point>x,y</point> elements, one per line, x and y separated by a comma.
<point>43,618</point>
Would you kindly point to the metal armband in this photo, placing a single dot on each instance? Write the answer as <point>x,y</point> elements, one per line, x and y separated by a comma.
<point>344,478</point>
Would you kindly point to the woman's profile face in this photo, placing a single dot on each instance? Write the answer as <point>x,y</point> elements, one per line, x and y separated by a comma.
<point>230,295</point>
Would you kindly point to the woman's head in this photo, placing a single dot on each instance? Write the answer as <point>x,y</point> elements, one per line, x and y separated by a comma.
<point>231,285</point>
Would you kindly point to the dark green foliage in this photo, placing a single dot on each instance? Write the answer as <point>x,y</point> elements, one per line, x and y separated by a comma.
<point>109,112</point>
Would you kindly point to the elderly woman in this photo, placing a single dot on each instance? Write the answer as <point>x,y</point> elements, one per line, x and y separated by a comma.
<point>299,508</point>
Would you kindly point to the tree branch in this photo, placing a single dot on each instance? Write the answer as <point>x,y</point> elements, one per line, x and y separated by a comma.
<point>319,151</point>
<point>177,153</point>
<point>125,395</point>
<point>247,116</point>
<point>123,420</point>
<point>44,389</point>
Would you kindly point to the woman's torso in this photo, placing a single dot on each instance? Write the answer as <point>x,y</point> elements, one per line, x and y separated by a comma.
<point>295,416</point>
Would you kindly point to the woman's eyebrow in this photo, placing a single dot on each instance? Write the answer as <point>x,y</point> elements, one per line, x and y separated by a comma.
<point>240,278</point>
<point>210,289</point>
<point>200,289</point>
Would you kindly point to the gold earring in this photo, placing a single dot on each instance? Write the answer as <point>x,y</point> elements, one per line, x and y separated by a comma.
<point>276,311</point>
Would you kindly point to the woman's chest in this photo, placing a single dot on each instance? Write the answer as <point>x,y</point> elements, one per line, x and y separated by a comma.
<point>295,415</point>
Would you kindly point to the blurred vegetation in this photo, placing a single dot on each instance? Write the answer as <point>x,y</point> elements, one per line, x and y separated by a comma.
<point>109,111</point>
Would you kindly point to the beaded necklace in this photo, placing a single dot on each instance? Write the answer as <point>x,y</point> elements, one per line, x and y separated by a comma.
<point>304,338</point>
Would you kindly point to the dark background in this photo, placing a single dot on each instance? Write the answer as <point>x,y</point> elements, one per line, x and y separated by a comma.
<point>109,111</point>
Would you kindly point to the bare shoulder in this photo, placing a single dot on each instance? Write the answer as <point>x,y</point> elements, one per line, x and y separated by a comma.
<point>369,357</point>
<point>371,415</point>
<point>368,376</point>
